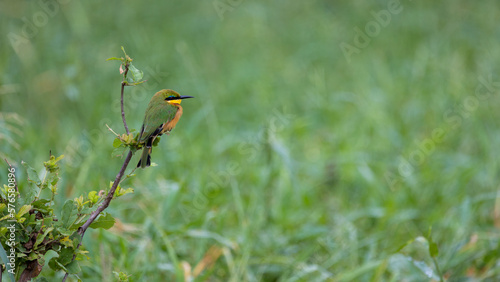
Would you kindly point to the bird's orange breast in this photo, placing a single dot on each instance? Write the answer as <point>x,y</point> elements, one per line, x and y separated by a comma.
<point>171,124</point>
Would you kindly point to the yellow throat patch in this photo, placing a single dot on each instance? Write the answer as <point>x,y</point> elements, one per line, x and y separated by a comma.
<point>175,101</point>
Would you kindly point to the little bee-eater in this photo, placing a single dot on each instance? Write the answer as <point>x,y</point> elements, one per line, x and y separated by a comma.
<point>163,113</point>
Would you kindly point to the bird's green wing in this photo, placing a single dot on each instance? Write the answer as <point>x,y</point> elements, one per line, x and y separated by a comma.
<point>156,117</point>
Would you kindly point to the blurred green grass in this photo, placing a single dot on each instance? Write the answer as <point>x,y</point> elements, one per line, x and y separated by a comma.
<point>281,161</point>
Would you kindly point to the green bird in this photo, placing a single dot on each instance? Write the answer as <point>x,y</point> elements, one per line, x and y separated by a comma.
<point>163,113</point>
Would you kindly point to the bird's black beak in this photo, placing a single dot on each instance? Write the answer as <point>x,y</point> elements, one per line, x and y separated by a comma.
<point>185,97</point>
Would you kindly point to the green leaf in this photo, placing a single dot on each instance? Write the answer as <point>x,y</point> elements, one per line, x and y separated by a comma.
<point>33,256</point>
<point>5,217</point>
<point>39,239</point>
<point>118,152</point>
<point>31,191</point>
<point>32,175</point>
<point>137,75</point>
<point>48,221</point>
<point>76,238</point>
<point>65,232</point>
<point>50,254</point>
<point>40,204</point>
<point>54,265</point>
<point>30,219</point>
<point>3,256</point>
<point>156,141</point>
<point>51,164</point>
<point>103,221</point>
<point>120,191</point>
<point>136,83</point>
<point>73,267</point>
<point>60,265</point>
<point>122,277</point>
<point>117,142</point>
<point>23,210</point>
<point>68,214</point>
<point>433,248</point>
<point>53,179</point>
<point>66,255</point>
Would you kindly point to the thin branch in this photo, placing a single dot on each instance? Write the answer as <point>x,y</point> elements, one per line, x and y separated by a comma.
<point>104,205</point>
<point>124,83</point>
<point>128,175</point>
<point>118,178</point>
<point>110,195</point>
<point>437,269</point>
<point>109,128</point>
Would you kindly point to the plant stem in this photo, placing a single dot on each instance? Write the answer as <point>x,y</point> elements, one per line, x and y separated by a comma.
<point>124,83</point>
<point>43,181</point>
<point>118,177</point>
<point>110,195</point>
<point>104,205</point>
<point>437,269</point>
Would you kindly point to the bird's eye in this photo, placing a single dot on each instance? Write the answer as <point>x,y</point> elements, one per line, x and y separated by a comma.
<point>170,97</point>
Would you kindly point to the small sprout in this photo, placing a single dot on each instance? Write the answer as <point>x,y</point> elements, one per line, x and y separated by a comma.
<point>93,197</point>
<point>51,164</point>
<point>66,241</point>
<point>120,191</point>
<point>114,59</point>
<point>122,277</point>
<point>82,253</point>
<point>117,142</point>
<point>80,202</point>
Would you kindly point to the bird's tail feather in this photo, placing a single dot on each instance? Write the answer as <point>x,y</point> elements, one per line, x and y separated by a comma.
<point>145,160</point>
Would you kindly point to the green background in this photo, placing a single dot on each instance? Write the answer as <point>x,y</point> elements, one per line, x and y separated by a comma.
<point>298,160</point>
